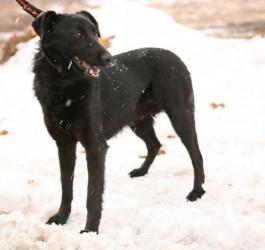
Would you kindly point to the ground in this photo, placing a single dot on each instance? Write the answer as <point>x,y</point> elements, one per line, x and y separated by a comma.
<point>223,18</point>
<point>220,18</point>
<point>149,213</point>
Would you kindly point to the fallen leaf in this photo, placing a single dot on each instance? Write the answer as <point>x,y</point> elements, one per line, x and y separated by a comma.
<point>4,132</point>
<point>160,152</point>
<point>31,182</point>
<point>106,41</point>
<point>214,105</point>
<point>171,136</point>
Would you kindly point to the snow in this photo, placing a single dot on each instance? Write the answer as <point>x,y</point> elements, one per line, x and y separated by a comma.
<point>148,213</point>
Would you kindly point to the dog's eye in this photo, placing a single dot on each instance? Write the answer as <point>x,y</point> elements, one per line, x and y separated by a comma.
<point>78,35</point>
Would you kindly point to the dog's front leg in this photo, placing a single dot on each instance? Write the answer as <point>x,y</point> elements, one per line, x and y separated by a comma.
<point>96,148</point>
<point>67,156</point>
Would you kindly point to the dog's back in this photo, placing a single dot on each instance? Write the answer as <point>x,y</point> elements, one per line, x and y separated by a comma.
<point>141,83</point>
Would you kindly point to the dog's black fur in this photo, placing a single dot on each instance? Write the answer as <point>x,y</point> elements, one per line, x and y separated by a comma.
<point>81,107</point>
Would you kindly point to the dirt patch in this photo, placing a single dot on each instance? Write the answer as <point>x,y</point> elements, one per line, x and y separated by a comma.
<point>226,18</point>
<point>221,18</point>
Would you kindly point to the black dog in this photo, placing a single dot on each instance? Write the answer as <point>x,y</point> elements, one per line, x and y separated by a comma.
<point>87,99</point>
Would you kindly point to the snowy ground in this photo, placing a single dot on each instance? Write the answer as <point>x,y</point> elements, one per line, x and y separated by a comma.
<point>148,213</point>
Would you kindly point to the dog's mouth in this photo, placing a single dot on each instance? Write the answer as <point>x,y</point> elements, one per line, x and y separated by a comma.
<point>89,70</point>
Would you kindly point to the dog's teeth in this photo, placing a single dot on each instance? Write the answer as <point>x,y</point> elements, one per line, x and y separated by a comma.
<point>88,69</point>
<point>70,65</point>
<point>77,59</point>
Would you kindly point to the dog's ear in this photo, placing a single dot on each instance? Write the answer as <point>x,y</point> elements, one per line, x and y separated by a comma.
<point>45,23</point>
<point>91,18</point>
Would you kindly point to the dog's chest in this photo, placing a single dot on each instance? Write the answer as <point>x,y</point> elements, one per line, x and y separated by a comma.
<point>62,108</point>
<point>66,117</point>
<point>65,109</point>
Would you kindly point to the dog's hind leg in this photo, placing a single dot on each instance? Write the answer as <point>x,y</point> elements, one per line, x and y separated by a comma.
<point>184,125</point>
<point>144,130</point>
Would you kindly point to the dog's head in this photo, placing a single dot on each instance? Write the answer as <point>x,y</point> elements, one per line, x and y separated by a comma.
<point>72,36</point>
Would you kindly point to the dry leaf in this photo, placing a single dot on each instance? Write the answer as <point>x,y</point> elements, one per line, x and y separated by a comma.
<point>31,182</point>
<point>214,105</point>
<point>4,132</point>
<point>106,41</point>
<point>171,136</point>
<point>160,152</point>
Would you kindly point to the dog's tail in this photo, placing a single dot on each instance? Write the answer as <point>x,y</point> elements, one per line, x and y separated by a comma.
<point>30,9</point>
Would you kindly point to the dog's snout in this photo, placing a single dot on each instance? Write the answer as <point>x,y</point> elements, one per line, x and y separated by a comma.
<point>105,58</point>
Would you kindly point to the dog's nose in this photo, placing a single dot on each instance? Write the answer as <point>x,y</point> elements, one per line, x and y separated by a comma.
<point>105,58</point>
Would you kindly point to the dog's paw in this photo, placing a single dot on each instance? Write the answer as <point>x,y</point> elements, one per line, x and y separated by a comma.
<point>58,219</point>
<point>138,172</point>
<point>195,194</point>
<point>85,231</point>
